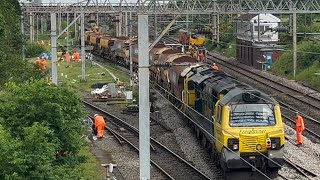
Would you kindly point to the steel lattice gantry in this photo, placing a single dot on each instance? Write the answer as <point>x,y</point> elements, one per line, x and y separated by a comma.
<point>183,7</point>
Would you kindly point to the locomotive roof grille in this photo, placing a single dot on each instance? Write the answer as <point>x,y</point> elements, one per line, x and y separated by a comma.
<point>246,95</point>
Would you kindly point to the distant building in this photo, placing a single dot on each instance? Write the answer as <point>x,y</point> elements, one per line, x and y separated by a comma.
<point>247,27</point>
<point>257,42</point>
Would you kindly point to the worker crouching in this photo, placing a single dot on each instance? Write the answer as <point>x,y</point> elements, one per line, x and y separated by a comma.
<point>99,125</point>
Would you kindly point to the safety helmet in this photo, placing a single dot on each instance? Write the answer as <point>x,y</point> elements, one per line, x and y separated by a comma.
<point>95,115</point>
<point>214,64</point>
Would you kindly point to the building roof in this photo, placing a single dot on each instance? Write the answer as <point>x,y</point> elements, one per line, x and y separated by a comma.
<point>263,17</point>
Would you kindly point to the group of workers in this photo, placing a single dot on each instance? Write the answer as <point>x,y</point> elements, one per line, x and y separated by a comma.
<point>76,56</point>
<point>67,57</point>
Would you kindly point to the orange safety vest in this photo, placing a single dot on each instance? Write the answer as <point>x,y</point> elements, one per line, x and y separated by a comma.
<point>67,57</point>
<point>299,124</point>
<point>76,56</point>
<point>99,121</point>
<point>43,64</point>
<point>215,67</point>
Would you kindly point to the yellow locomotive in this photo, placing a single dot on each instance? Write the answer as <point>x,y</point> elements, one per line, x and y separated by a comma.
<point>193,44</point>
<point>241,126</point>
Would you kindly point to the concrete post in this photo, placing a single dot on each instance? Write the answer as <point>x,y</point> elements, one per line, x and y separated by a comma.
<point>37,27</point>
<point>54,48</point>
<point>130,51</point>
<point>187,22</point>
<point>294,42</point>
<point>42,24</point>
<point>22,32</point>
<point>218,27</point>
<point>120,24</point>
<point>144,109</point>
<point>75,27</point>
<point>97,18</point>
<point>83,55</point>
<point>258,27</point>
<point>126,24</point>
<point>67,32</point>
<point>31,27</point>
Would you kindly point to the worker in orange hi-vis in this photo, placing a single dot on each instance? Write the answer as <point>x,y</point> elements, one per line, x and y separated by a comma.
<point>201,56</point>
<point>99,124</point>
<point>67,57</point>
<point>42,63</point>
<point>76,56</point>
<point>299,128</point>
<point>215,67</point>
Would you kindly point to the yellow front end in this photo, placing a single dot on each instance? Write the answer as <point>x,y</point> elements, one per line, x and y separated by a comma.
<point>93,40</point>
<point>197,41</point>
<point>104,43</point>
<point>257,146</point>
<point>189,96</point>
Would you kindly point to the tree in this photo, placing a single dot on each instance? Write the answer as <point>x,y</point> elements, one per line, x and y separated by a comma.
<point>11,64</point>
<point>36,120</point>
<point>36,101</point>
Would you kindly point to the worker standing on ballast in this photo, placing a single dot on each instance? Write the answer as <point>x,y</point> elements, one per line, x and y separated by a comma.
<point>299,129</point>
<point>99,125</point>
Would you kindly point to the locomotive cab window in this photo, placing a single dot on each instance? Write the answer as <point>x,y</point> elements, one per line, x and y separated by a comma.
<point>219,115</point>
<point>249,115</point>
<point>190,85</point>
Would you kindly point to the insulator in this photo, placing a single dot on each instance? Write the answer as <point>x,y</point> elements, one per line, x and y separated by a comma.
<point>280,29</point>
<point>115,20</point>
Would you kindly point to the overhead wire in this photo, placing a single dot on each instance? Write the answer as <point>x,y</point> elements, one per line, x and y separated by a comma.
<point>238,45</point>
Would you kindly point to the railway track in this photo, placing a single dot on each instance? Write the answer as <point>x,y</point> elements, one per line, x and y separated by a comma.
<point>168,162</point>
<point>290,93</point>
<point>304,98</point>
<point>301,170</point>
<point>307,99</point>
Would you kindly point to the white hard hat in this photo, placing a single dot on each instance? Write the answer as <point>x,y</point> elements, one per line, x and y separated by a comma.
<point>214,64</point>
<point>95,115</point>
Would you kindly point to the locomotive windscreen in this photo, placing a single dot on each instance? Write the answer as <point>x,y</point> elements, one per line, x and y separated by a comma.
<point>247,115</point>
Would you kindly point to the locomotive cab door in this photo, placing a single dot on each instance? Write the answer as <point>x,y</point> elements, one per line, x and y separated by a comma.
<point>217,129</point>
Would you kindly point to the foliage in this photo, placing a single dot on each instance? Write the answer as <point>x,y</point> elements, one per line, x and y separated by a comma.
<point>310,75</point>
<point>11,64</point>
<point>34,50</point>
<point>308,54</point>
<point>36,120</point>
<point>36,101</point>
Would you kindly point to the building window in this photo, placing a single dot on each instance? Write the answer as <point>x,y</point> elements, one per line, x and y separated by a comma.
<point>262,28</point>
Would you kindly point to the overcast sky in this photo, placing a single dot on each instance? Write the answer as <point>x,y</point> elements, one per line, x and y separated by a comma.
<point>75,1</point>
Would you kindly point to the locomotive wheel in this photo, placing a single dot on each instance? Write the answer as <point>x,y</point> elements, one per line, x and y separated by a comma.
<point>204,142</point>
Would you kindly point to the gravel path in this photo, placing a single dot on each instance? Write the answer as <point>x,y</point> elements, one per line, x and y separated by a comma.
<point>184,137</point>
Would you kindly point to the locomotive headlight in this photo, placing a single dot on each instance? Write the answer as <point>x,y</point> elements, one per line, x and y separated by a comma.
<point>233,144</point>
<point>235,147</point>
<point>275,142</point>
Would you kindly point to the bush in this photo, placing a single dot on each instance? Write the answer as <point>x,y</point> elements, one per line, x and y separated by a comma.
<point>308,54</point>
<point>34,50</point>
